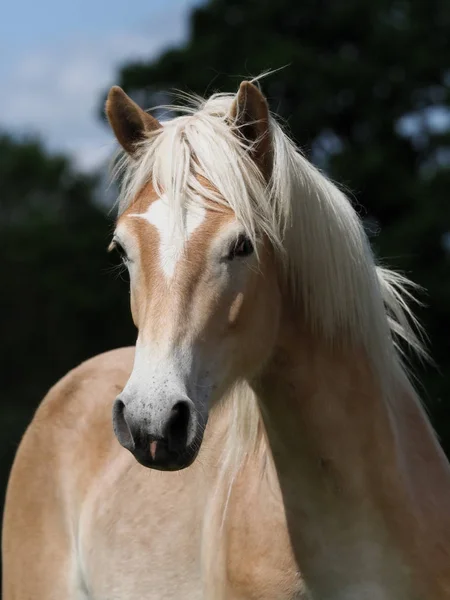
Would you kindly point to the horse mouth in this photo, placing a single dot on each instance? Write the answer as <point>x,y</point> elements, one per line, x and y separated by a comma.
<point>159,456</point>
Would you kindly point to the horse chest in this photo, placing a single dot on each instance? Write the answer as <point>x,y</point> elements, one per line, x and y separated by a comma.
<point>260,561</point>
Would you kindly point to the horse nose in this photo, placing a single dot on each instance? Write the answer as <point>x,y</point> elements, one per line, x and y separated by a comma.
<point>121,427</point>
<point>161,443</point>
<point>179,426</point>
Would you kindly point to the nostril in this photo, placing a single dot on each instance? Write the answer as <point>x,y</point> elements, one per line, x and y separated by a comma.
<point>121,428</point>
<point>178,426</point>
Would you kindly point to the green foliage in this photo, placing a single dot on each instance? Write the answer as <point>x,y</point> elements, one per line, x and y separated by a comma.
<point>60,303</point>
<point>358,93</point>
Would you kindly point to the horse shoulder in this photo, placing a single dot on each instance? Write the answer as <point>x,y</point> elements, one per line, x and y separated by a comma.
<point>260,559</point>
<point>54,457</point>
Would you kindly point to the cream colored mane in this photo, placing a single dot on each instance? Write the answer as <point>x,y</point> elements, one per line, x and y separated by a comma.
<point>324,254</point>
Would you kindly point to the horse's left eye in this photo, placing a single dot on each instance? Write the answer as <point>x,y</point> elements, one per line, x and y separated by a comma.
<point>242,247</point>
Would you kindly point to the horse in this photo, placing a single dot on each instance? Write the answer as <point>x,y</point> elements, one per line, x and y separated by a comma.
<point>267,441</point>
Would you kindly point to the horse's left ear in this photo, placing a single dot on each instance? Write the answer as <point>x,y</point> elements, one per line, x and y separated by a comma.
<point>249,114</point>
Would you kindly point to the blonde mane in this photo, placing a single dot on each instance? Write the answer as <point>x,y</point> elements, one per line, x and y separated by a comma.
<point>323,250</point>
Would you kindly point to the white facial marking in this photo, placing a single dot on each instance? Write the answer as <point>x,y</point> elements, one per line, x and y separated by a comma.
<point>171,241</point>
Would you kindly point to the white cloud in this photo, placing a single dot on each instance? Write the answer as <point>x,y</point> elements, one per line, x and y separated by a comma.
<point>55,91</point>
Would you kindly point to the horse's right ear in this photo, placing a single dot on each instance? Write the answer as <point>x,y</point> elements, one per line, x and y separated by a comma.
<point>128,121</point>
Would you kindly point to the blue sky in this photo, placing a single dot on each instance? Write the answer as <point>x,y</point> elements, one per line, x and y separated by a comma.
<point>57,56</point>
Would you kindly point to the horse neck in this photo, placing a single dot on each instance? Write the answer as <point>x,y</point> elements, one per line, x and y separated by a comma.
<point>364,482</point>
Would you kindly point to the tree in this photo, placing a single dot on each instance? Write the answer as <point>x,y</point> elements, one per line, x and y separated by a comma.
<point>364,93</point>
<point>60,303</point>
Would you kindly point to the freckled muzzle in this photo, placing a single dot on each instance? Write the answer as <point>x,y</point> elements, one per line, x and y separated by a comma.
<point>169,442</point>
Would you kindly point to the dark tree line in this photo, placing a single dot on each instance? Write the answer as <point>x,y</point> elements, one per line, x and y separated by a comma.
<point>60,301</point>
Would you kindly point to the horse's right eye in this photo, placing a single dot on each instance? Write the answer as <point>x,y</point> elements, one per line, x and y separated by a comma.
<point>117,246</point>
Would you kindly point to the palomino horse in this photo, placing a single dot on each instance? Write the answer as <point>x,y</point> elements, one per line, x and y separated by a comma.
<point>258,305</point>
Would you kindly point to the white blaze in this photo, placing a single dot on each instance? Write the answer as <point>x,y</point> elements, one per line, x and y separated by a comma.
<point>171,239</point>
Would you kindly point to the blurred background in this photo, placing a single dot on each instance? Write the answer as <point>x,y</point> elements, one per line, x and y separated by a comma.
<point>365,92</point>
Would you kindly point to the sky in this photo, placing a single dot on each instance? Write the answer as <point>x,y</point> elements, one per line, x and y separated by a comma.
<point>57,57</point>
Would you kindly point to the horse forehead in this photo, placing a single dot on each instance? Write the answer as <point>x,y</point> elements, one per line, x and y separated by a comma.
<point>172,237</point>
<point>159,215</point>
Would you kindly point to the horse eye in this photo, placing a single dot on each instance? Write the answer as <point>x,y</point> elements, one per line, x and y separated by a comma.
<point>120,251</point>
<point>241,248</point>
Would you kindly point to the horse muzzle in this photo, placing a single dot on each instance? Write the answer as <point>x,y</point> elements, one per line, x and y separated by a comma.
<point>166,438</point>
